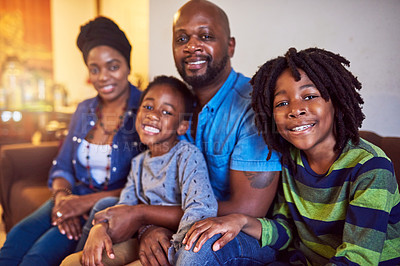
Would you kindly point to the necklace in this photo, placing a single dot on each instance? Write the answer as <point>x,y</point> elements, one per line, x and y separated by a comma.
<point>107,168</point>
<point>108,134</point>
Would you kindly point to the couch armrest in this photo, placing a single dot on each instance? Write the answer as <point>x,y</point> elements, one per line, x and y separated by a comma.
<point>24,163</point>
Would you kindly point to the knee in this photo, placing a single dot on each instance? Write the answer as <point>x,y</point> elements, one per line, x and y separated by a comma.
<point>204,256</point>
<point>188,257</point>
<point>73,259</point>
<point>104,203</point>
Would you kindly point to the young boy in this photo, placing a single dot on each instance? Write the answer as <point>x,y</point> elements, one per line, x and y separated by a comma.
<point>169,173</point>
<point>339,201</point>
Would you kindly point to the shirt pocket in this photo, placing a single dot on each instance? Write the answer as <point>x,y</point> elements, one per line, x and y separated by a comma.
<point>218,168</point>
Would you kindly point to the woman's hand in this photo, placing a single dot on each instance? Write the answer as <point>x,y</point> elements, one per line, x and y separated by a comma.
<point>97,241</point>
<point>71,228</point>
<point>68,206</point>
<point>153,246</point>
<point>228,226</point>
<point>123,221</point>
<point>66,212</point>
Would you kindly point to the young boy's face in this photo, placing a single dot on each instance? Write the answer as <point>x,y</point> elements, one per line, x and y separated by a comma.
<point>160,119</point>
<point>302,116</point>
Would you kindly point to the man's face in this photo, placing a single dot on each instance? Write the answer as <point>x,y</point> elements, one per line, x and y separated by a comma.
<point>202,46</point>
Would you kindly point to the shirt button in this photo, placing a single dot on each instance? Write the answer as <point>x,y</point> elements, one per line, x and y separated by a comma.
<point>74,161</point>
<point>115,146</point>
<point>74,138</point>
<point>129,113</point>
<point>92,123</point>
<point>79,140</point>
<point>135,144</point>
<point>114,169</point>
<point>54,162</point>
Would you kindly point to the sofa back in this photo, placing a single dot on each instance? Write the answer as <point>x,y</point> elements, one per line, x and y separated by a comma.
<point>390,145</point>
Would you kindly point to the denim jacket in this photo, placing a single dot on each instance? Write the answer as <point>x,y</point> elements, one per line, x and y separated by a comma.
<point>125,146</point>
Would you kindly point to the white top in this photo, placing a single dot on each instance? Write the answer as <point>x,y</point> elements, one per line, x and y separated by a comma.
<point>98,159</point>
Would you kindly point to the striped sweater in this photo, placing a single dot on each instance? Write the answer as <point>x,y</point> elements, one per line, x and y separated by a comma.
<point>348,216</point>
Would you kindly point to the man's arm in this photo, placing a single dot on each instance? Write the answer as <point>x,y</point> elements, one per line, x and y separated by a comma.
<point>125,220</point>
<point>251,193</point>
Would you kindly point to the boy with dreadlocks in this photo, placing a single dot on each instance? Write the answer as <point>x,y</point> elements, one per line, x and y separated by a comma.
<point>338,202</point>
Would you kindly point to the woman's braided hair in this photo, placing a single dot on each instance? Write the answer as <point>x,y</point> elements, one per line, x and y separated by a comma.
<point>327,71</point>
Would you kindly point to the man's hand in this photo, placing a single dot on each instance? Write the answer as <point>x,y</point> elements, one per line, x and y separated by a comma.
<point>123,221</point>
<point>153,246</point>
<point>97,241</point>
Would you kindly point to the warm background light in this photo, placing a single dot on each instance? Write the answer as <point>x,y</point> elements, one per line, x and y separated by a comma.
<point>68,15</point>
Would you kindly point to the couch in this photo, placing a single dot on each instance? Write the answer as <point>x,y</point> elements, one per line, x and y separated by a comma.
<point>390,145</point>
<point>24,170</point>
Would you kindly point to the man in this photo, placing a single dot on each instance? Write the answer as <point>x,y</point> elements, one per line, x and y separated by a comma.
<point>243,180</point>
<point>223,124</point>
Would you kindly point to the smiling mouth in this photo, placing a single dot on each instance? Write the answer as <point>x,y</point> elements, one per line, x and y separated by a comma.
<point>107,88</point>
<point>302,128</point>
<point>151,129</point>
<point>197,62</point>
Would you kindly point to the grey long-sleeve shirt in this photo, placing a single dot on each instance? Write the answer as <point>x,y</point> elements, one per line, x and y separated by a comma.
<point>177,178</point>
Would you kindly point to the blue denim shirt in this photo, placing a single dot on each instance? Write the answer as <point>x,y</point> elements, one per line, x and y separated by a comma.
<point>227,136</point>
<point>125,146</point>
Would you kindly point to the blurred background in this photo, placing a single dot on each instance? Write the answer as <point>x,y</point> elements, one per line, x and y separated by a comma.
<point>42,73</point>
<point>43,76</point>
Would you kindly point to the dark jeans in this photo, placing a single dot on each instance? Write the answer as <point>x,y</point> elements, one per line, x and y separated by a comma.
<point>242,250</point>
<point>34,241</point>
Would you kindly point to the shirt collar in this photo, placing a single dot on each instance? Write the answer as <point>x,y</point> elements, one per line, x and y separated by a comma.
<point>219,97</point>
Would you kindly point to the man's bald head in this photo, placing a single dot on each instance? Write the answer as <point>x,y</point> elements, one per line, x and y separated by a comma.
<point>207,9</point>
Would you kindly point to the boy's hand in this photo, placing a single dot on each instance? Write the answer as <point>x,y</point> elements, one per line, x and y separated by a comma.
<point>228,226</point>
<point>98,240</point>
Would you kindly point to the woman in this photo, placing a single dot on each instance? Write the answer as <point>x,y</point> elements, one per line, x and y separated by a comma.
<point>94,159</point>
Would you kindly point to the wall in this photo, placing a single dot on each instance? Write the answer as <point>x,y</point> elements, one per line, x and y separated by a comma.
<point>367,32</point>
<point>69,15</point>
<point>133,18</point>
<point>69,68</point>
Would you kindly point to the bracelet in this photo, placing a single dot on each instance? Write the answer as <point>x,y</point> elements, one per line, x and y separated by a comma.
<point>55,192</point>
<point>142,230</point>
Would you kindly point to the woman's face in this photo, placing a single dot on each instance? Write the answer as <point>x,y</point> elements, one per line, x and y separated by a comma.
<point>108,72</point>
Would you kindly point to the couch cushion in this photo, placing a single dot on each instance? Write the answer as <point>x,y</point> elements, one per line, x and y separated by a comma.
<point>25,197</point>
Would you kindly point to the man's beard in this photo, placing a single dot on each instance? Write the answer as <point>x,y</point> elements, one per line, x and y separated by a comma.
<point>203,80</point>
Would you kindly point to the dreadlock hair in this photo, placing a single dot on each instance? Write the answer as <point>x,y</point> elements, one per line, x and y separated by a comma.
<point>177,85</point>
<point>328,73</point>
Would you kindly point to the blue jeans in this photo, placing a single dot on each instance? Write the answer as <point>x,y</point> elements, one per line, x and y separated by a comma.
<point>242,250</point>
<point>99,206</point>
<point>34,241</point>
